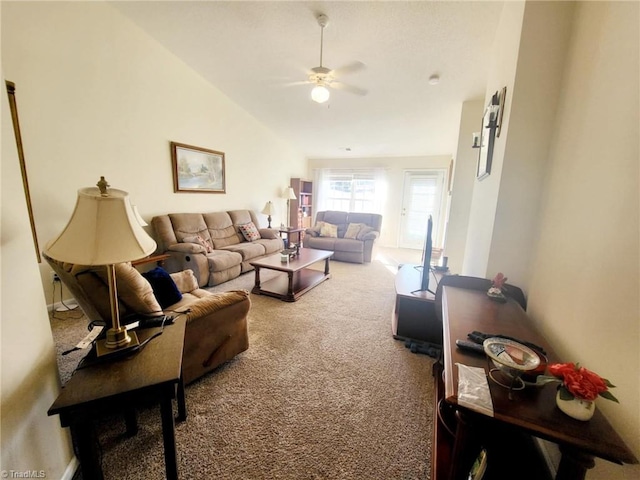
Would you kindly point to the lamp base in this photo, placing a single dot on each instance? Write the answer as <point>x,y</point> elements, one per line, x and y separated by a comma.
<point>107,346</point>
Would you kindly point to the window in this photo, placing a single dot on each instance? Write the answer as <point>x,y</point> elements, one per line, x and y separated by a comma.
<point>351,191</point>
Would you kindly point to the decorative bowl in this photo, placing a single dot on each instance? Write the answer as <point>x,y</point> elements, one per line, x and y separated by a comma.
<point>511,357</point>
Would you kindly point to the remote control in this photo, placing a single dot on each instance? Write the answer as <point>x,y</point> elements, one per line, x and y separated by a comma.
<point>470,346</point>
<point>158,321</point>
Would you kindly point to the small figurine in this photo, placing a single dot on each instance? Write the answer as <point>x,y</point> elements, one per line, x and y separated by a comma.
<point>495,292</point>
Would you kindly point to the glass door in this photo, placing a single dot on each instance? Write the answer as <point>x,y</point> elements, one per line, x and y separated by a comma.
<point>422,196</point>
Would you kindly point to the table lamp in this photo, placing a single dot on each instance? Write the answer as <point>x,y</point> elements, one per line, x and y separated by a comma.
<point>103,230</point>
<point>289,194</point>
<point>269,210</point>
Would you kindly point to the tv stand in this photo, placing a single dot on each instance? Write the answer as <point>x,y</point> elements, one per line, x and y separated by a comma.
<point>414,316</point>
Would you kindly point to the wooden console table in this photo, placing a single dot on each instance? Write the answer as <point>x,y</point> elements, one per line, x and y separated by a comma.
<point>532,410</point>
<point>118,385</point>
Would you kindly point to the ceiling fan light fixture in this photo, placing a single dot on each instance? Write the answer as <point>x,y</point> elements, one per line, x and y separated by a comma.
<point>320,94</point>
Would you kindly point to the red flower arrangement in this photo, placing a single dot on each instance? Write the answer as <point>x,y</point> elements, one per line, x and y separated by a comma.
<point>579,382</point>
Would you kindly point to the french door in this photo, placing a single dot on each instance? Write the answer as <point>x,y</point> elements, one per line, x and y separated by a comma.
<point>422,196</point>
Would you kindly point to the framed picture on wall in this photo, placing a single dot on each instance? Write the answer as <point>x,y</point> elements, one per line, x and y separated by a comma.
<point>197,169</point>
<point>487,135</point>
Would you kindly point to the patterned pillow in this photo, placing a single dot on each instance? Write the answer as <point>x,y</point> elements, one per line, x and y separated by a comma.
<point>249,232</point>
<point>329,230</point>
<point>200,240</point>
<point>353,229</point>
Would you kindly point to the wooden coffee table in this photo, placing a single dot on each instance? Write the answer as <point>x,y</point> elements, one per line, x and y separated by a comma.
<point>299,278</point>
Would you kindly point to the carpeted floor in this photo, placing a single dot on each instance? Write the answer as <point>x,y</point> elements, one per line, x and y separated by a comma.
<point>324,392</point>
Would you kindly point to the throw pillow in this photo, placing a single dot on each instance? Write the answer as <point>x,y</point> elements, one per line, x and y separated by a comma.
<point>164,288</point>
<point>317,227</point>
<point>329,230</point>
<point>353,229</point>
<point>363,231</point>
<point>199,240</point>
<point>249,232</point>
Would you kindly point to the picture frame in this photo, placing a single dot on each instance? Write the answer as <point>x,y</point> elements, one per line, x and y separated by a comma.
<point>487,136</point>
<point>197,170</point>
<point>501,100</point>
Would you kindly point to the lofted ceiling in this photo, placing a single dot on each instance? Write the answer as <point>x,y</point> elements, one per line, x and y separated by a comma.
<point>253,51</point>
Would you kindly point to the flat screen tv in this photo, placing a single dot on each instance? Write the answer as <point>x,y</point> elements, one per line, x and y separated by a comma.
<point>426,259</point>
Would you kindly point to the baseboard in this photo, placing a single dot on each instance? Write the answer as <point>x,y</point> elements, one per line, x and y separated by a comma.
<point>70,472</point>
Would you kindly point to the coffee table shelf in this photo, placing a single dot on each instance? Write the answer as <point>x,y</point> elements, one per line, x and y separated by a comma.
<point>298,279</point>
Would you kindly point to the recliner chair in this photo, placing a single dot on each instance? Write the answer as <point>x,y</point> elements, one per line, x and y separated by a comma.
<point>216,322</point>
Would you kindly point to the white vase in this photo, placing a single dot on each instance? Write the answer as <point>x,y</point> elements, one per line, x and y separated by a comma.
<point>576,407</point>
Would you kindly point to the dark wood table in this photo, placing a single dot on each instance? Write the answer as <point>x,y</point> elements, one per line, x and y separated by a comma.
<point>153,374</point>
<point>298,279</point>
<point>290,231</point>
<point>533,409</point>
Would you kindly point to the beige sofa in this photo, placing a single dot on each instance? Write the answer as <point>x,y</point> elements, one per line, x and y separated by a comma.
<point>216,322</point>
<point>356,249</point>
<point>212,244</point>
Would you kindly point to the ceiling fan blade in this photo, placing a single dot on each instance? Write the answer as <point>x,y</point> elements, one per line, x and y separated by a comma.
<point>348,88</point>
<point>293,84</point>
<point>350,68</point>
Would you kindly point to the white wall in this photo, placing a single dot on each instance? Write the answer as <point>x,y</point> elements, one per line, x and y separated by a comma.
<point>98,96</point>
<point>464,177</point>
<point>394,168</point>
<point>30,439</point>
<point>584,288</point>
<point>484,201</point>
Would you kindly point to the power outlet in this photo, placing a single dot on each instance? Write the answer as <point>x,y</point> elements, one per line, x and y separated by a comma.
<point>55,277</point>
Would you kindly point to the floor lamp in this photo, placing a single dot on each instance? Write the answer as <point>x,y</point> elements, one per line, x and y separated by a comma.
<point>103,230</point>
<point>289,195</point>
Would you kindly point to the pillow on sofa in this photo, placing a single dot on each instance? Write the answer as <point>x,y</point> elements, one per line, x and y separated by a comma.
<point>353,229</point>
<point>164,288</point>
<point>199,240</point>
<point>249,232</point>
<point>317,227</point>
<point>363,231</point>
<point>329,230</point>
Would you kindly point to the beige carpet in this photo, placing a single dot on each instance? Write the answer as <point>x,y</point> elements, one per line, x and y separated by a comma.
<point>324,392</point>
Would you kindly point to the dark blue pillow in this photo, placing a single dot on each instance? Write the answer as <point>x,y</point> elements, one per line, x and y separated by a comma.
<point>164,288</point>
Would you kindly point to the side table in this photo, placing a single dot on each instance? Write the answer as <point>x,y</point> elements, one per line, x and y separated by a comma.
<point>141,378</point>
<point>291,230</point>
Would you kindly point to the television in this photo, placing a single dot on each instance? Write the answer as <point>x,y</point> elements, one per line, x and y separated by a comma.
<point>426,259</point>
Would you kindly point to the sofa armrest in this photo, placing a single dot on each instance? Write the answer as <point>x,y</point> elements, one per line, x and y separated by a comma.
<point>215,302</point>
<point>371,236</point>
<point>311,232</point>
<point>269,233</point>
<point>187,248</point>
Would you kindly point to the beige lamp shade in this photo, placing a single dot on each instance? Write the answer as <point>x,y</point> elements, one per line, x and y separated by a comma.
<point>269,209</point>
<point>139,218</point>
<point>103,230</point>
<point>289,194</point>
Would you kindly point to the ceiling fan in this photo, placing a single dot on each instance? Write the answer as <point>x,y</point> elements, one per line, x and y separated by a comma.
<point>324,78</point>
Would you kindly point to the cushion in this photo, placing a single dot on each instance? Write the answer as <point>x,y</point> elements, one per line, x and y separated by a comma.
<point>134,290</point>
<point>164,288</point>
<point>363,231</point>
<point>185,280</point>
<point>353,229</point>
<point>249,232</point>
<point>317,227</point>
<point>329,230</point>
<point>199,240</point>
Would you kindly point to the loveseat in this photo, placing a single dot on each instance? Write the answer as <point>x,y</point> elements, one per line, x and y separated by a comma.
<point>349,235</point>
<point>217,246</point>
<point>216,328</point>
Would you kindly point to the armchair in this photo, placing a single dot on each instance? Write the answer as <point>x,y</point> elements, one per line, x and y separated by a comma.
<point>216,322</point>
